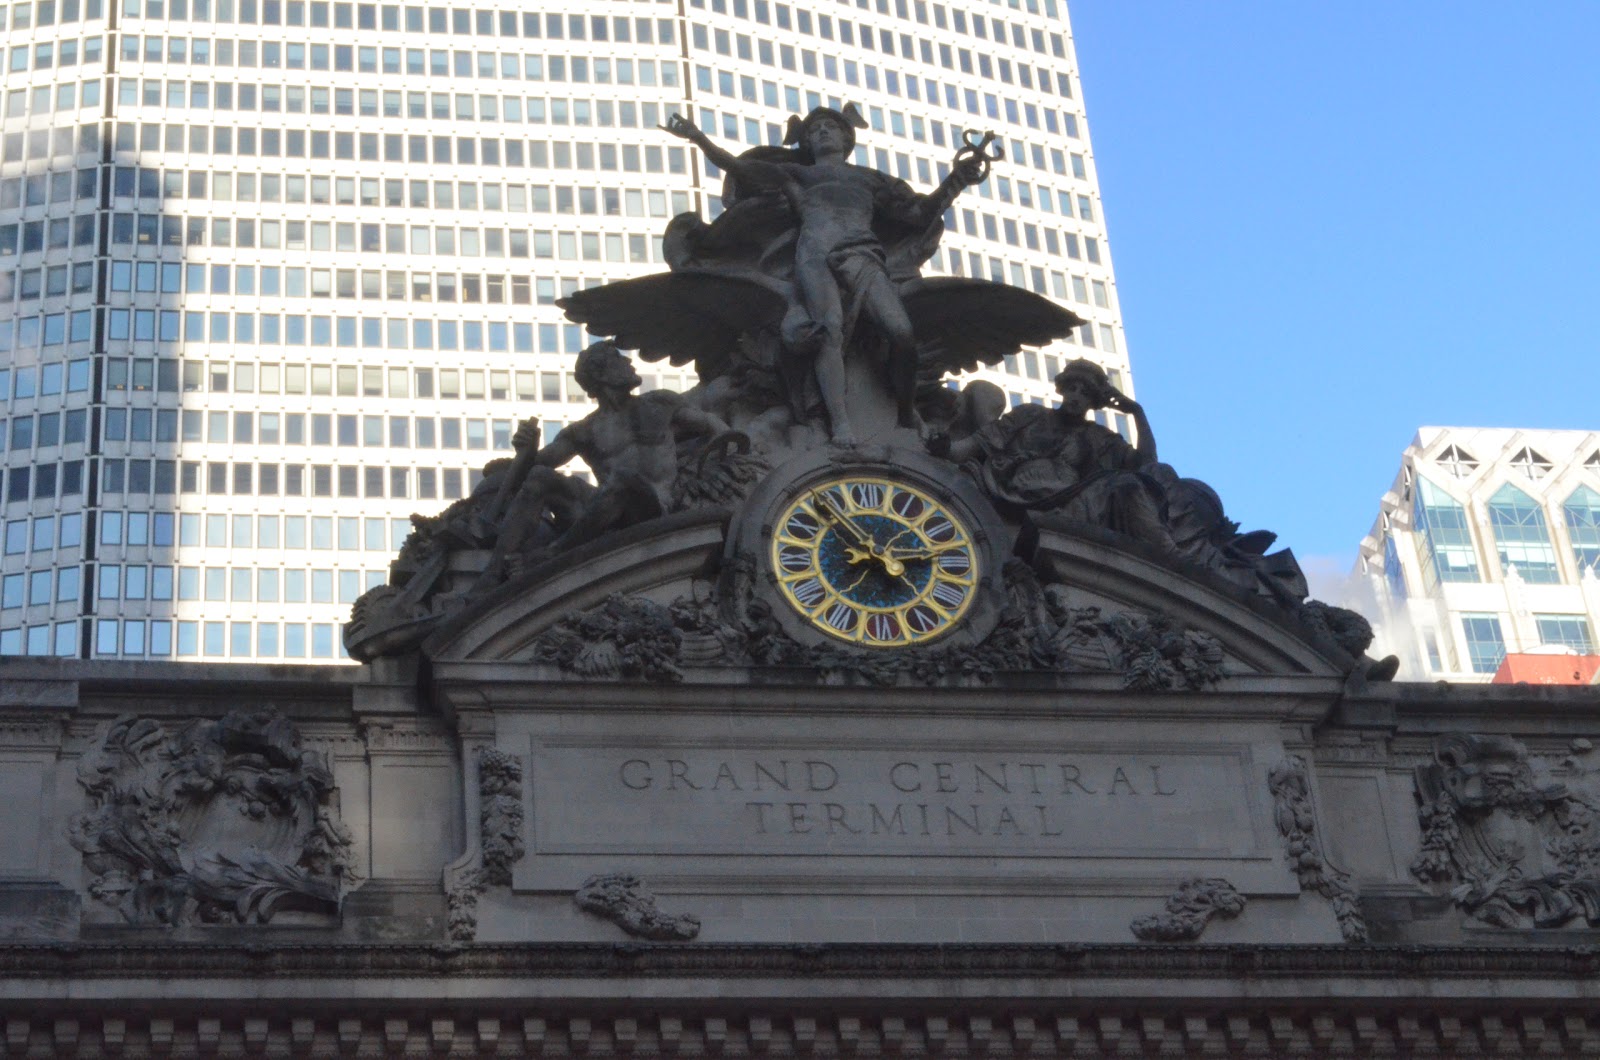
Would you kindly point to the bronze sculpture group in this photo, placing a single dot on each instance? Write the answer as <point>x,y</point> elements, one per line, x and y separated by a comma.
<point>801,305</point>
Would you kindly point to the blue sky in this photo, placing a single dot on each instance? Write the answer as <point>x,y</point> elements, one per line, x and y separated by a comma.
<point>1332,224</point>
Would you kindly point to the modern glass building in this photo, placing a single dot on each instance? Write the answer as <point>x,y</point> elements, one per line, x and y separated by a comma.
<point>1487,543</point>
<point>274,274</point>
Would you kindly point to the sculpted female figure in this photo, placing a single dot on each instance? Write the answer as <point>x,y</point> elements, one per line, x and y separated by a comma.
<point>1056,460</point>
<point>839,260</point>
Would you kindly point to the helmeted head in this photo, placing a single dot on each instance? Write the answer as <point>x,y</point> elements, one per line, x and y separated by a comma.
<point>982,402</point>
<point>603,365</point>
<point>1083,383</point>
<point>845,122</point>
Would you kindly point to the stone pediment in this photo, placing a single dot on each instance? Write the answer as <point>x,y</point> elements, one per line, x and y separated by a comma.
<point>659,561</point>
<point>681,574</point>
<point>1259,637</point>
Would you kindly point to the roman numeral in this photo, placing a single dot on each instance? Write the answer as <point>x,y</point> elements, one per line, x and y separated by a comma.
<point>906,505</point>
<point>794,559</point>
<point>841,617</point>
<point>866,494</point>
<point>802,525</point>
<point>883,627</point>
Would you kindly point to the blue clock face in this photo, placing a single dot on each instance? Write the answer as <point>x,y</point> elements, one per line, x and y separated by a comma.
<point>875,562</point>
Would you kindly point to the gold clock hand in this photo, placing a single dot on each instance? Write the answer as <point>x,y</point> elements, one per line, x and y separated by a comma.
<point>925,552</point>
<point>892,566</point>
<point>831,508</point>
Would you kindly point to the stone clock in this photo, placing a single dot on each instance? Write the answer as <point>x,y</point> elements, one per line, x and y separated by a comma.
<point>892,549</point>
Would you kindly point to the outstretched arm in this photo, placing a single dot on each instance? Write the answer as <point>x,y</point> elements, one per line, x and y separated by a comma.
<point>921,211</point>
<point>765,174</point>
<point>963,175</point>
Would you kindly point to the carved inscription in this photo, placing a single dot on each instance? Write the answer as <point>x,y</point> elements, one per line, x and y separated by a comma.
<point>894,803</point>
<point>913,780</point>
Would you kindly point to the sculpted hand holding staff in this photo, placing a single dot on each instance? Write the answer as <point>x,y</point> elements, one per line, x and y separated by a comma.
<point>839,267</point>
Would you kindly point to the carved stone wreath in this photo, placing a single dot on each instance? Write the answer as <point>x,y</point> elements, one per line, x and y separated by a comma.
<point>225,821</point>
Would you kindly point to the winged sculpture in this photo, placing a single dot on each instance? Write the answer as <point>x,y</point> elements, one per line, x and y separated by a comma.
<point>812,261</point>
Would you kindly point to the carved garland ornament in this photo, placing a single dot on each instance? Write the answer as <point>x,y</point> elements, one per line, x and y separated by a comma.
<point>634,637</point>
<point>1517,841</point>
<point>1189,909</point>
<point>624,900</point>
<point>223,822</point>
<point>1297,821</point>
<point>500,839</point>
<point>461,897</point>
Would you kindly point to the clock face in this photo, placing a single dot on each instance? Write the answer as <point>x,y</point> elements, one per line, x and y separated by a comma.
<point>875,562</point>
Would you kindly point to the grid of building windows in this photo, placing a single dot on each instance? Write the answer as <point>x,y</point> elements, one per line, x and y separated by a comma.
<point>1487,543</point>
<point>266,263</point>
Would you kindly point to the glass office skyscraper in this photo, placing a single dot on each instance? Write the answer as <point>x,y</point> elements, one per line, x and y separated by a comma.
<point>275,274</point>
<point>1487,543</point>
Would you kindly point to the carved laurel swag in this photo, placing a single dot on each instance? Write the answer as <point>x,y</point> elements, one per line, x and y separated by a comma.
<point>1189,909</point>
<point>634,637</point>
<point>1152,652</point>
<point>627,636</point>
<point>1516,840</point>
<point>1290,784</point>
<point>624,900</point>
<point>226,821</point>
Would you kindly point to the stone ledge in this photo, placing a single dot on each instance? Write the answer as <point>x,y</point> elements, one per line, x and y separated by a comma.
<point>264,959</point>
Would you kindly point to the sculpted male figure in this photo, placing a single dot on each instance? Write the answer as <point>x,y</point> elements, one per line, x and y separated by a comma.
<point>839,261</point>
<point>629,442</point>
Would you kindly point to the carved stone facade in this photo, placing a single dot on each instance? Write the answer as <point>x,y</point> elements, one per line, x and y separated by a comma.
<point>952,866</point>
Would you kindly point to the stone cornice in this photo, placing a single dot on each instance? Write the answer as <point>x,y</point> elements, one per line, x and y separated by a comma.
<point>243,959</point>
<point>798,691</point>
